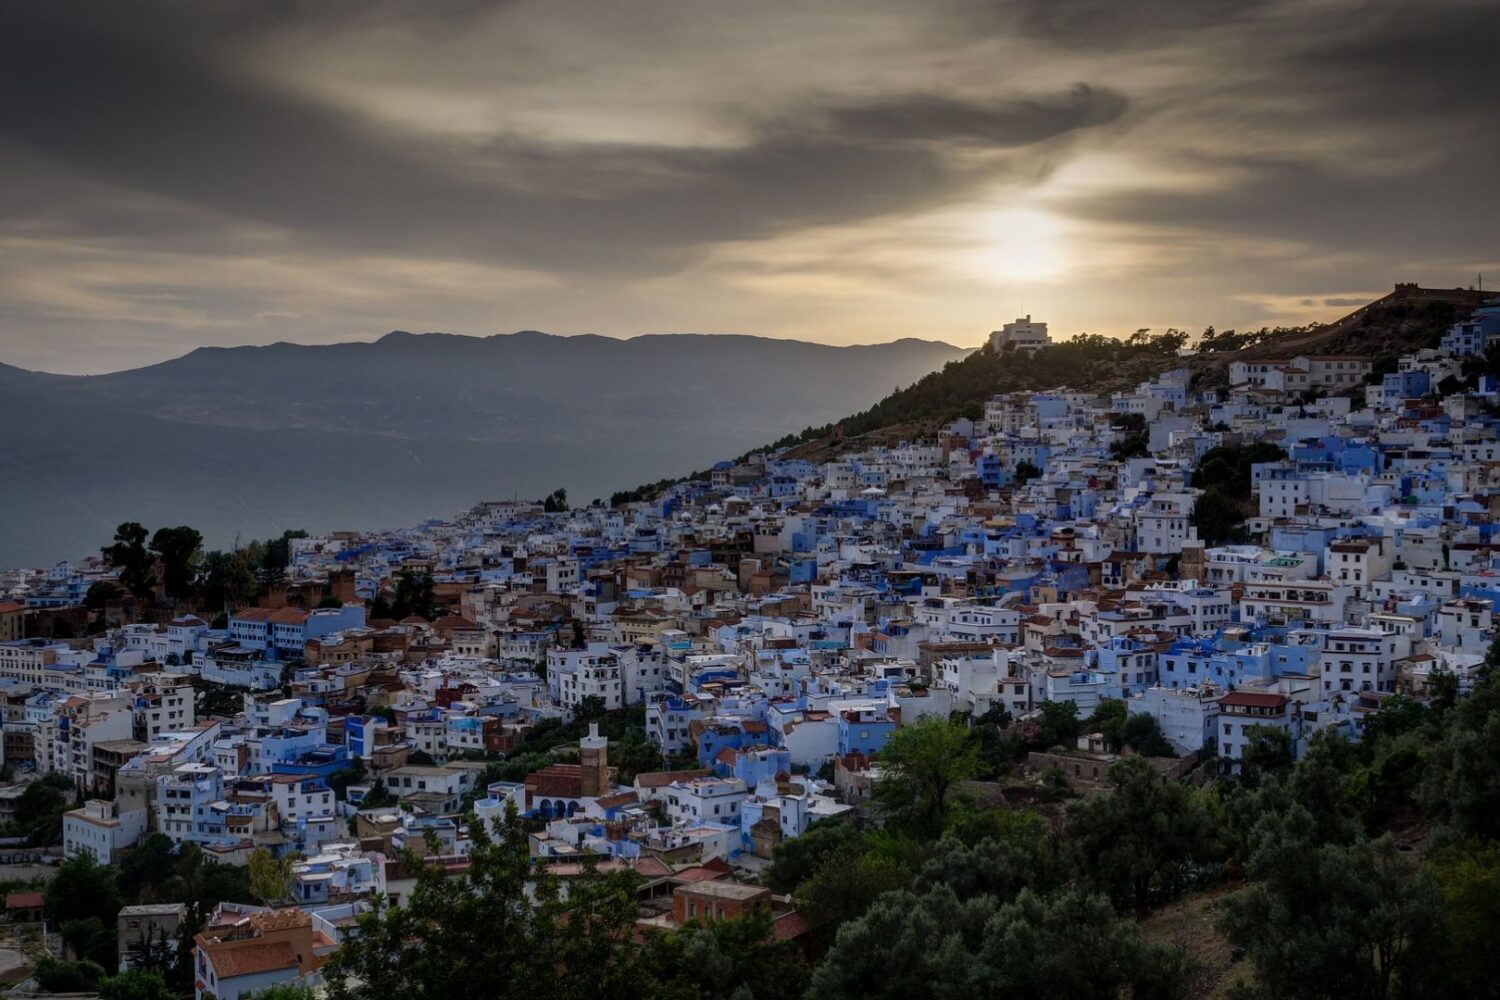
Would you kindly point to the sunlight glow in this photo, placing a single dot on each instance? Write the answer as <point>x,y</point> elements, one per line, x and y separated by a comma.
<point>1019,244</point>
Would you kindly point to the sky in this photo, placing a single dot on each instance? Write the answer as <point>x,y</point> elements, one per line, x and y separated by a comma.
<point>175,173</point>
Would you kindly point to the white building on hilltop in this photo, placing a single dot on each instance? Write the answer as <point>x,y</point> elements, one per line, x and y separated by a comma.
<point>1023,334</point>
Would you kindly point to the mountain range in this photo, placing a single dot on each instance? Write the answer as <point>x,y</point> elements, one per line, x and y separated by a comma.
<point>249,441</point>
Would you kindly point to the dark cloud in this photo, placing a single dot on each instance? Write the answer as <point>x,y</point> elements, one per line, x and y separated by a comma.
<point>931,117</point>
<point>132,110</point>
<point>1115,25</point>
<point>1295,146</point>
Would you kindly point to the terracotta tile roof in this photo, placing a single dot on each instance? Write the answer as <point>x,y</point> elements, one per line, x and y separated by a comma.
<point>650,867</point>
<point>289,616</point>
<point>233,959</point>
<point>1252,699</point>
<point>616,801</point>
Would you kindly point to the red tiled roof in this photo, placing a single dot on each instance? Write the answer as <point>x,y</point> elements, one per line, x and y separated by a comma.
<point>23,900</point>
<point>651,867</point>
<point>251,959</point>
<point>1252,699</point>
<point>564,780</point>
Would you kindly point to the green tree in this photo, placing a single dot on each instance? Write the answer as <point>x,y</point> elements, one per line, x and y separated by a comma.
<point>1058,725</point>
<point>1142,733</point>
<point>920,766</point>
<point>100,593</point>
<point>1217,517</point>
<point>846,885</point>
<point>1073,945</point>
<point>502,921</point>
<point>136,985</point>
<point>795,860</point>
<point>227,579</point>
<point>414,594</point>
<point>1000,865</point>
<point>40,807</point>
<point>1137,841</point>
<point>738,958</point>
<point>1108,721</point>
<point>270,876</point>
<point>284,991</point>
<point>179,550</point>
<point>907,945</point>
<point>55,976</point>
<point>590,708</point>
<point>129,555</point>
<point>1468,876</point>
<point>1333,920</point>
<point>1026,472</point>
<point>83,889</point>
<point>1462,781</point>
<point>1268,750</point>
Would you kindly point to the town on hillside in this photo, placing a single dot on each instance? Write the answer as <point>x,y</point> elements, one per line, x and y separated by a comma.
<point>240,768</point>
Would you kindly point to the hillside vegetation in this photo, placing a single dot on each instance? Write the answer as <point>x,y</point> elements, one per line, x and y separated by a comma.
<point>1385,329</point>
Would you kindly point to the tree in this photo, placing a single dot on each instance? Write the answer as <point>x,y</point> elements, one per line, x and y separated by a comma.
<point>136,984</point>
<point>1026,472</point>
<point>940,944</point>
<point>179,549</point>
<point>100,593</point>
<point>128,554</point>
<point>1000,865</point>
<point>40,807</point>
<point>1268,750</point>
<point>1217,517</point>
<point>555,502</point>
<point>795,860</point>
<point>920,766</point>
<point>227,579</point>
<point>590,708</point>
<point>1462,780</point>
<point>907,945</point>
<point>1332,920</point>
<point>414,594</point>
<point>1136,841</point>
<point>1108,721</point>
<point>55,976</point>
<point>727,958</point>
<point>1058,725</point>
<point>82,889</point>
<point>502,921</point>
<point>1074,945</point>
<point>270,876</point>
<point>846,885</point>
<point>1468,876</point>
<point>1142,733</point>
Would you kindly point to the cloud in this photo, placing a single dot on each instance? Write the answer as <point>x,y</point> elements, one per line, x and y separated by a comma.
<point>597,166</point>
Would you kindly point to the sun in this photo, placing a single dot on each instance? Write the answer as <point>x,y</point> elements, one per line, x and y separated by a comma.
<point>1019,244</point>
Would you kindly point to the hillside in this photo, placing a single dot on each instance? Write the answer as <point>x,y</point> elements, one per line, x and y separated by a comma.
<point>255,440</point>
<point>1408,319</point>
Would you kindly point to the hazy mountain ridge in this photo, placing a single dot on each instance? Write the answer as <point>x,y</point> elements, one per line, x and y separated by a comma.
<point>251,440</point>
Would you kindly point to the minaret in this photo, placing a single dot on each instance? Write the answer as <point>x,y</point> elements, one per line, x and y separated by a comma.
<point>593,753</point>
